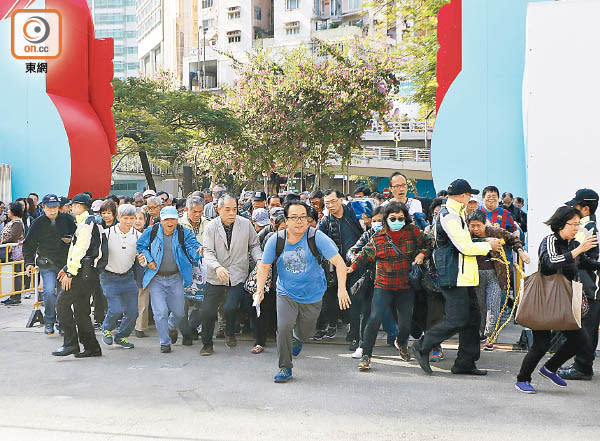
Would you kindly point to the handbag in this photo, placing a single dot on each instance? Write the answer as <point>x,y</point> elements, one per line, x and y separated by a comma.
<point>251,283</point>
<point>550,303</point>
<point>415,277</point>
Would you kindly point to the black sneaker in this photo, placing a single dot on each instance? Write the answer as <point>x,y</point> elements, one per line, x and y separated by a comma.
<point>423,359</point>
<point>187,341</point>
<point>220,334</point>
<point>230,341</point>
<point>165,349</point>
<point>140,334</point>
<point>207,350</point>
<point>330,332</point>
<point>173,335</point>
<point>319,335</point>
<point>353,345</point>
<point>572,373</point>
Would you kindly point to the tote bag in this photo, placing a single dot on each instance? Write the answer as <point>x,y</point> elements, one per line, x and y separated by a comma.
<point>550,303</point>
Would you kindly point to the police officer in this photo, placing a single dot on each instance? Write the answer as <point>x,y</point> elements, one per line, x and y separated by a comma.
<point>77,279</point>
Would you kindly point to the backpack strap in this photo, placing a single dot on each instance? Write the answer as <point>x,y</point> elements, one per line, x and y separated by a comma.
<point>312,243</point>
<point>180,236</point>
<point>281,238</point>
<point>153,234</point>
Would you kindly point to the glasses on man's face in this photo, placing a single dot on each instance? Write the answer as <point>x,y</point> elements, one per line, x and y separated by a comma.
<point>332,202</point>
<point>573,224</point>
<point>297,219</point>
<point>394,218</point>
<point>400,186</point>
<point>154,207</point>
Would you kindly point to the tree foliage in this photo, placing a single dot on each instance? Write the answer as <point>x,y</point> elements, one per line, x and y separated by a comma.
<point>158,121</point>
<point>418,45</point>
<point>301,106</point>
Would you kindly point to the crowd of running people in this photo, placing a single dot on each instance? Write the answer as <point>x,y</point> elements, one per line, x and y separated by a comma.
<point>301,267</point>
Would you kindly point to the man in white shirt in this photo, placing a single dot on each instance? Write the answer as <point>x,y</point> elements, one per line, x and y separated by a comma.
<point>118,280</point>
<point>399,187</point>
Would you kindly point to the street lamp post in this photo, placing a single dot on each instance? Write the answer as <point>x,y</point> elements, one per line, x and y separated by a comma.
<point>203,58</point>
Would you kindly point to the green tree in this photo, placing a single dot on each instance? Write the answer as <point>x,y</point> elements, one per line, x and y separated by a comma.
<point>157,121</point>
<point>418,45</point>
<point>304,105</point>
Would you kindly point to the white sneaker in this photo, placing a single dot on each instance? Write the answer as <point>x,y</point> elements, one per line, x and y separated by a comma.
<point>358,353</point>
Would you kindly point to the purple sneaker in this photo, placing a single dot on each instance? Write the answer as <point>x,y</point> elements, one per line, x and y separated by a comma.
<point>552,376</point>
<point>525,387</point>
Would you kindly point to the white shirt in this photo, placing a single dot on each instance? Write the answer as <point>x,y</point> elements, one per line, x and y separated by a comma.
<point>121,249</point>
<point>413,205</point>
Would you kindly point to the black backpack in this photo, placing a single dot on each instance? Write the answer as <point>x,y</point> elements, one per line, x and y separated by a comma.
<point>180,237</point>
<point>312,245</point>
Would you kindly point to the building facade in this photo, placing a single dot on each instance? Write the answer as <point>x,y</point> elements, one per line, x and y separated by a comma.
<point>117,19</point>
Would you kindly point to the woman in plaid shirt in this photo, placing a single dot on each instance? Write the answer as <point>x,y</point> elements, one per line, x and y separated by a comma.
<point>394,249</point>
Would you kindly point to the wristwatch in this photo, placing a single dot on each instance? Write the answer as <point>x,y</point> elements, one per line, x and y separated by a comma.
<point>69,275</point>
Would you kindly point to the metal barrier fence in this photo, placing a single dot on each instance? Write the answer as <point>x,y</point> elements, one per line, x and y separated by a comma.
<point>15,280</point>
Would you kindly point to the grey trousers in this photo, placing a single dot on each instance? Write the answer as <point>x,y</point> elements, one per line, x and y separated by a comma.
<point>299,319</point>
<point>489,297</point>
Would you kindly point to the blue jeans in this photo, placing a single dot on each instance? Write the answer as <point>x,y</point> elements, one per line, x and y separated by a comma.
<point>166,294</point>
<point>403,301</point>
<point>49,295</point>
<point>121,293</point>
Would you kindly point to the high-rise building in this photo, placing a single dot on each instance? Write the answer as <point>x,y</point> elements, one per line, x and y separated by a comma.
<point>117,19</point>
<point>226,27</point>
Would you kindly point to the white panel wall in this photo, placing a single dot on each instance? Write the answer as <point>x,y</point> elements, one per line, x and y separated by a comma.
<point>560,101</point>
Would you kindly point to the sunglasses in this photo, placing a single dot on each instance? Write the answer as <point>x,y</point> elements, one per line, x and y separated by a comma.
<point>394,219</point>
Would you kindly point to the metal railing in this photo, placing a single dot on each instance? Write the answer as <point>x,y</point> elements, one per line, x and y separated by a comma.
<point>133,165</point>
<point>392,154</point>
<point>401,126</point>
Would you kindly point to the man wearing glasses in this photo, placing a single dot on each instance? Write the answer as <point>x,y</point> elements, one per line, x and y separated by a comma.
<point>341,226</point>
<point>399,187</point>
<point>210,211</point>
<point>154,205</point>
<point>301,282</point>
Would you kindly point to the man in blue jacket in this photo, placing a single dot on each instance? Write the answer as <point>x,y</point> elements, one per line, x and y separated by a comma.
<point>170,251</point>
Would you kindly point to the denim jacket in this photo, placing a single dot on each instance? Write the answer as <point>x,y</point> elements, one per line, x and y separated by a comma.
<point>183,264</point>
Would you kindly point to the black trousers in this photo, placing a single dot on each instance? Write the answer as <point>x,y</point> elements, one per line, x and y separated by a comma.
<point>98,301</point>
<point>267,321</point>
<point>462,316</point>
<point>584,360</point>
<point>73,312</point>
<point>541,343</point>
<point>214,295</point>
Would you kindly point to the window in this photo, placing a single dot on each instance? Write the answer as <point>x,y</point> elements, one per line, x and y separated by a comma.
<point>133,66</point>
<point>109,19</point>
<point>208,24</point>
<point>257,13</point>
<point>132,50</point>
<point>336,7</point>
<point>292,28</point>
<point>130,34</point>
<point>233,12</point>
<point>207,4</point>
<point>130,18</point>
<point>124,186</point>
<point>354,4</point>
<point>234,36</point>
<point>106,33</point>
<point>291,4</point>
<point>119,50</point>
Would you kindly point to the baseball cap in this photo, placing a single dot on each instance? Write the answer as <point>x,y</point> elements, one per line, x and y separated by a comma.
<point>276,211</point>
<point>149,193</point>
<point>50,200</point>
<point>83,199</point>
<point>96,205</point>
<point>261,217</point>
<point>259,196</point>
<point>460,186</point>
<point>64,201</point>
<point>169,213</point>
<point>583,194</point>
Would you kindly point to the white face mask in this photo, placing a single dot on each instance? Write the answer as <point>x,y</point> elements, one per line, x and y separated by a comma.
<point>377,226</point>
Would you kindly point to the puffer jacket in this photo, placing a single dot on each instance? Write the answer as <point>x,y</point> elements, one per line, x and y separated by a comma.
<point>455,253</point>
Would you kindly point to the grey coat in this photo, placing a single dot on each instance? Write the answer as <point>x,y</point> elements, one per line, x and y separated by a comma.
<point>244,242</point>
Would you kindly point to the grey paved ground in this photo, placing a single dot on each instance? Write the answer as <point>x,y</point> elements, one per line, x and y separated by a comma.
<point>142,394</point>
